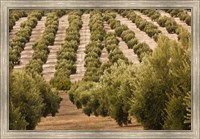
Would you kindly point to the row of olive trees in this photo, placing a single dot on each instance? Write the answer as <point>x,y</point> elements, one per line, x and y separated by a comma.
<point>66,55</point>
<point>94,48</point>
<point>182,14</point>
<point>170,24</point>
<point>149,28</point>
<point>127,35</point>
<point>40,48</point>
<point>22,37</point>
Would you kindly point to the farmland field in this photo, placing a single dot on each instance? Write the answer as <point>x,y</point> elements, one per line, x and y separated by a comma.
<point>100,69</point>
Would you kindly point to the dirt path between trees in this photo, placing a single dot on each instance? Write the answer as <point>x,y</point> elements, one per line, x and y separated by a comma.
<point>128,53</point>
<point>84,40</point>
<point>71,118</point>
<point>49,66</point>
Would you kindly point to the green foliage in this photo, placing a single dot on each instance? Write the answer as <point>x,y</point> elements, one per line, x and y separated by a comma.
<point>131,43</point>
<point>184,37</point>
<point>110,96</point>
<point>34,66</point>
<point>142,49</point>
<point>182,14</point>
<point>159,77</point>
<point>66,64</point>
<point>26,96</point>
<point>175,114</point>
<point>188,20</point>
<point>50,96</point>
<point>120,29</point>
<point>169,23</point>
<point>152,13</point>
<point>30,98</point>
<point>16,120</point>
<point>116,54</point>
<point>61,82</point>
<point>96,26</point>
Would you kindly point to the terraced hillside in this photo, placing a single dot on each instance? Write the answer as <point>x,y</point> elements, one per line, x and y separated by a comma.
<point>100,69</point>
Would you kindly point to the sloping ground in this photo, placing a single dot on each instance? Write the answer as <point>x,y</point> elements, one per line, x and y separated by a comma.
<point>178,21</point>
<point>162,29</point>
<point>16,27</point>
<point>84,40</point>
<point>49,66</point>
<point>132,57</point>
<point>36,34</point>
<point>140,35</point>
<point>71,118</point>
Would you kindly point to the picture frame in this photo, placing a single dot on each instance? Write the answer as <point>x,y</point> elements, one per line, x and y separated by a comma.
<point>194,133</point>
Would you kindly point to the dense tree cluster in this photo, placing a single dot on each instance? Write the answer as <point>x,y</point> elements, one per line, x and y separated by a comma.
<point>163,82</point>
<point>30,98</point>
<point>108,97</point>
<point>156,92</point>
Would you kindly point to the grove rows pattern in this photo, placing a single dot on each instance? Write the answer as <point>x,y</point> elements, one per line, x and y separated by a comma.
<point>70,46</point>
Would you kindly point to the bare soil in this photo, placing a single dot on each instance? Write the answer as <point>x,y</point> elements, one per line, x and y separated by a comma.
<point>71,118</point>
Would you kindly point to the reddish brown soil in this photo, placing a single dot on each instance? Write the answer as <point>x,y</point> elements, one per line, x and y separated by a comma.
<point>71,118</point>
